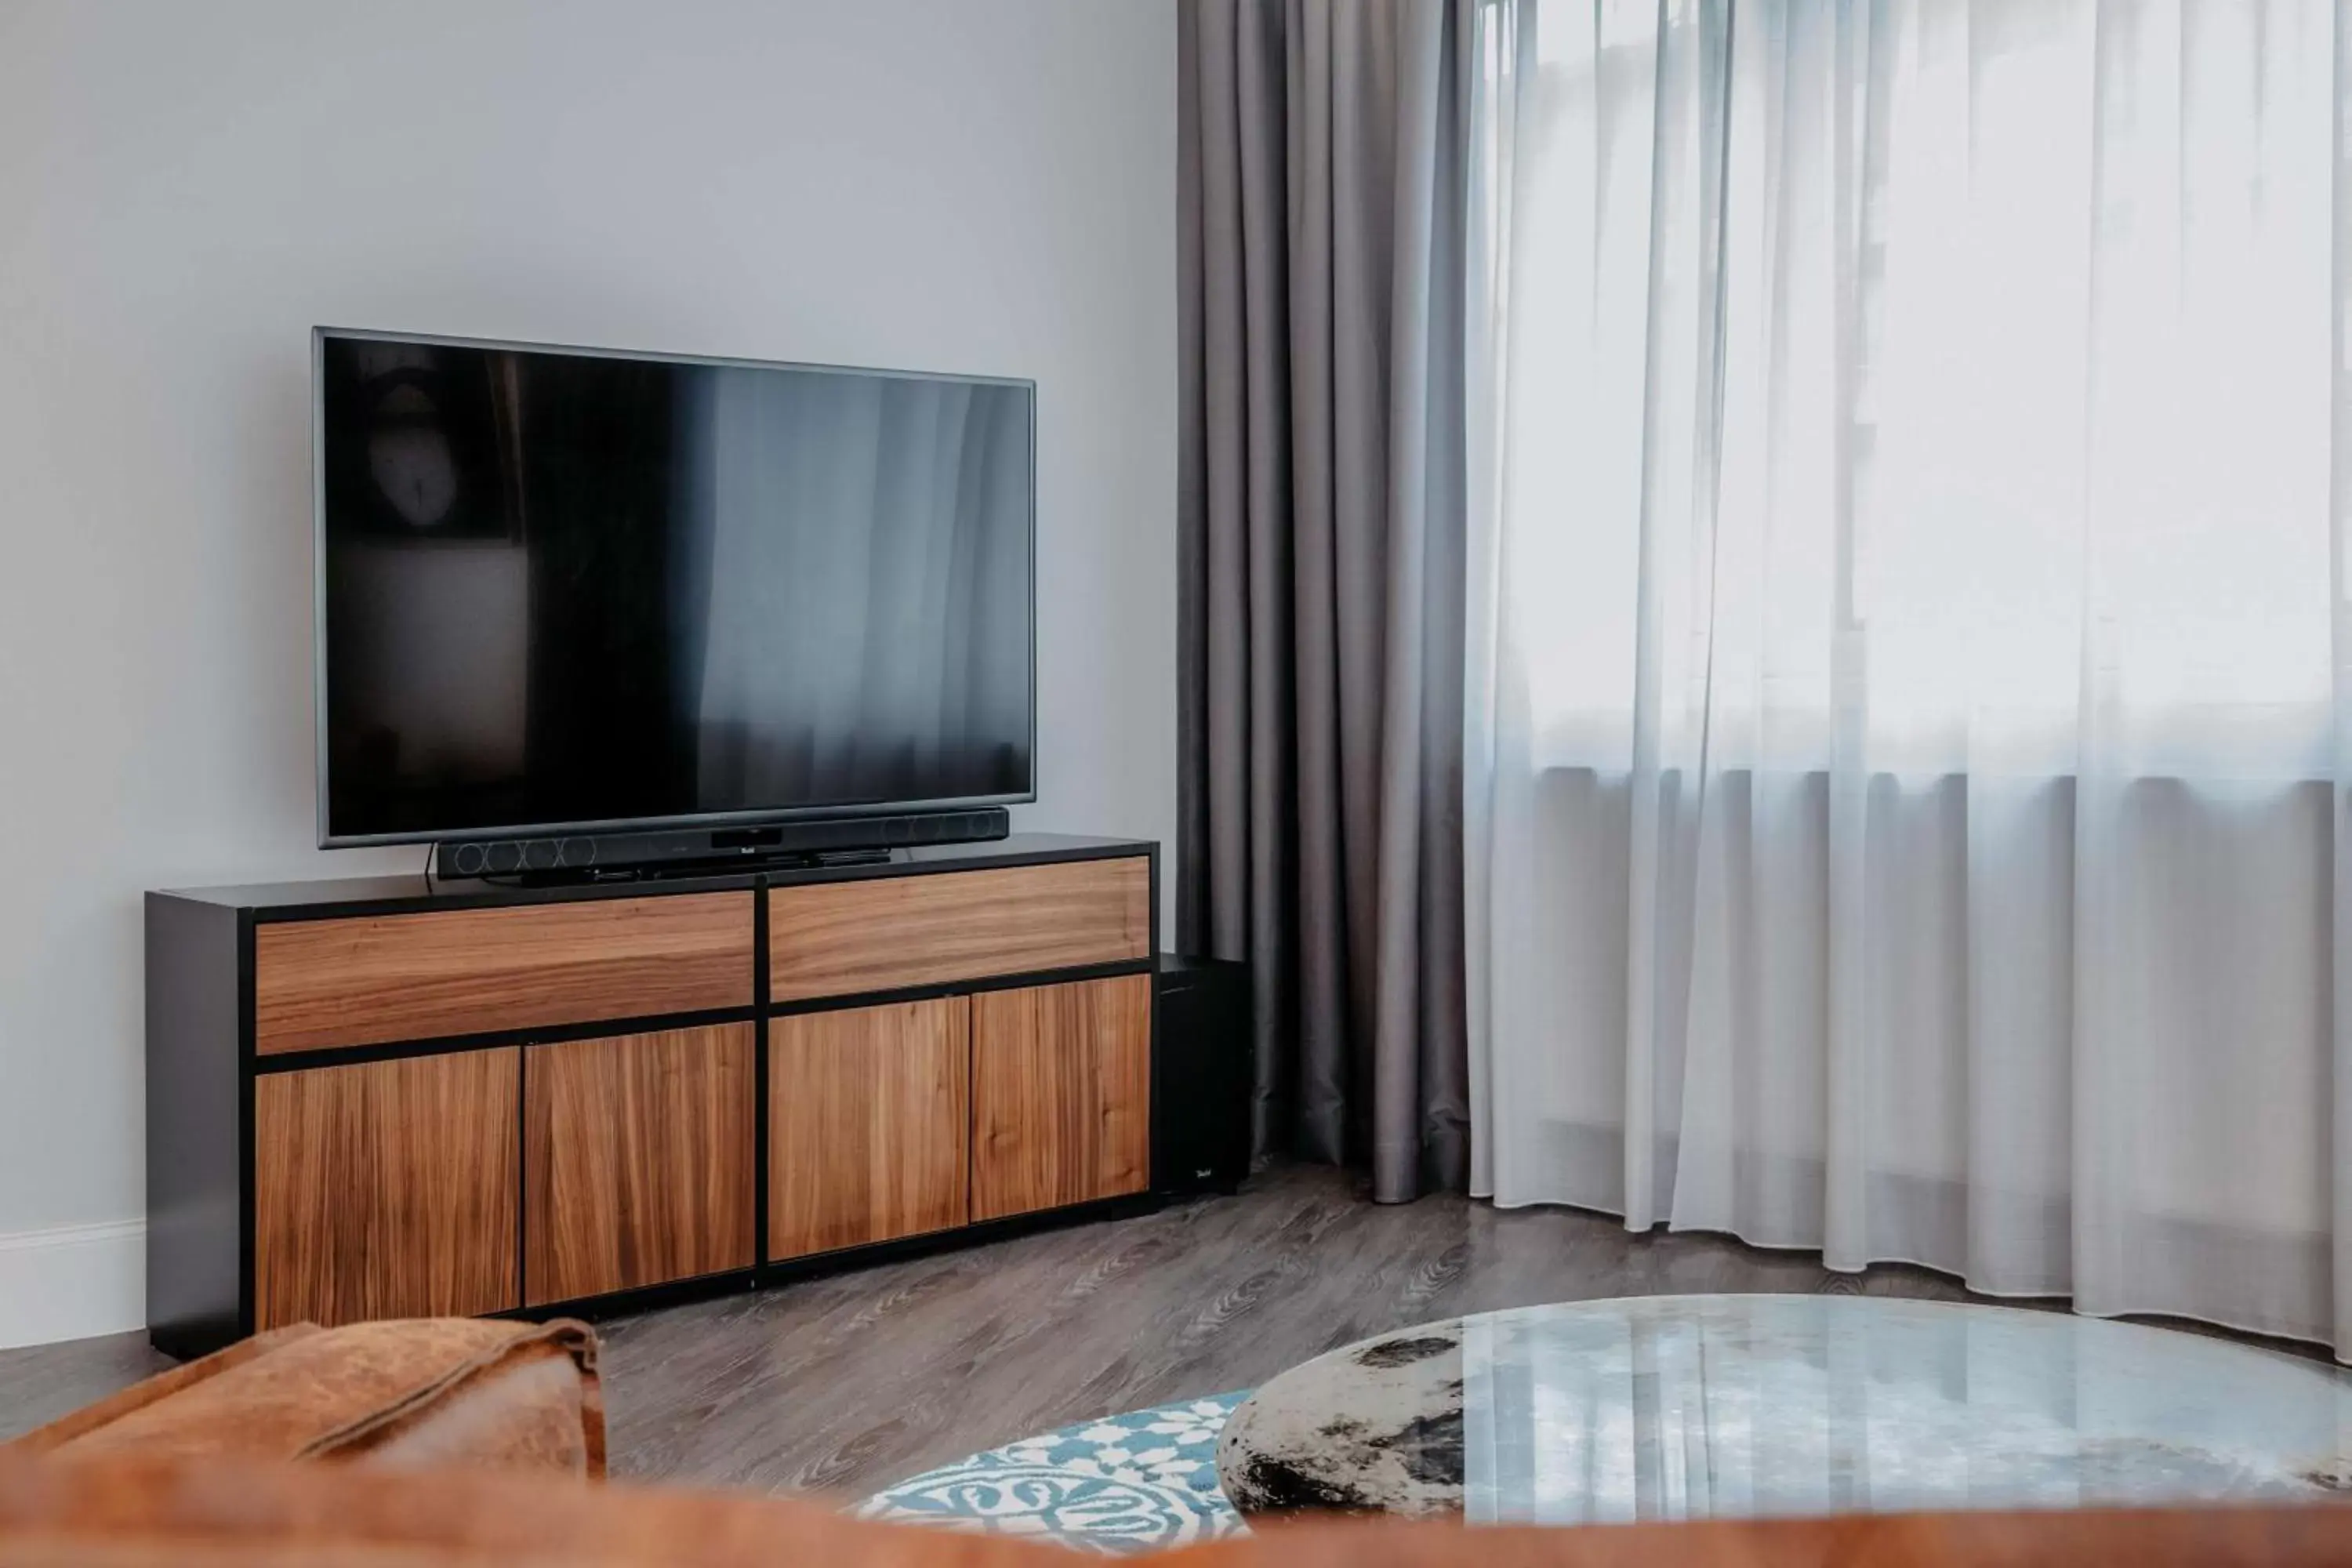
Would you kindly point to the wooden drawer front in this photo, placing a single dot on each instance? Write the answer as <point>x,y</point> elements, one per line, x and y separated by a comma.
<point>385,1190</point>
<point>638,1161</point>
<point>413,977</point>
<point>839,939</point>
<point>1061,1094</point>
<point>869,1124</point>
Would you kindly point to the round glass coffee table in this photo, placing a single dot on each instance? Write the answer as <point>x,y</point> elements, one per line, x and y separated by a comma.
<point>1713,1406</point>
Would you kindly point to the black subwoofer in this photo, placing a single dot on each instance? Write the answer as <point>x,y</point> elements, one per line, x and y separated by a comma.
<point>1203,1075</point>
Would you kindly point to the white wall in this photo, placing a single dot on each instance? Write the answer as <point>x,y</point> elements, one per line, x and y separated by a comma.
<point>983,185</point>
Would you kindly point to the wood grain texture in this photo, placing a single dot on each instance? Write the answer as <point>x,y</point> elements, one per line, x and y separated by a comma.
<point>869,1124</point>
<point>637,1160</point>
<point>386,1189</point>
<point>849,1383</point>
<point>838,939</point>
<point>1061,1094</point>
<point>40,1383</point>
<point>411,977</point>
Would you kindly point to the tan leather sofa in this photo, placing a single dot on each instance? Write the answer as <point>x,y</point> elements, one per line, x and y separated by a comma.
<point>431,1391</point>
<point>142,1512</point>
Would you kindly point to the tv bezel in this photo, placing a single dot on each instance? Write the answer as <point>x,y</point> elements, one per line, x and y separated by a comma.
<point>834,812</point>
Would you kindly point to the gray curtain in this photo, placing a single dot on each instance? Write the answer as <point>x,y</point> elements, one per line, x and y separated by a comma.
<point>1322,516</point>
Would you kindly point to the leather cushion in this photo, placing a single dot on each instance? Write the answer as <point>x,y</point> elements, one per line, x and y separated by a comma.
<point>428,1391</point>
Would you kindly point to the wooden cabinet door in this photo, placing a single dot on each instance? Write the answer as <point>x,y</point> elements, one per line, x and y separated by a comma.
<point>868,1124</point>
<point>385,1190</point>
<point>1061,1088</point>
<point>637,1160</point>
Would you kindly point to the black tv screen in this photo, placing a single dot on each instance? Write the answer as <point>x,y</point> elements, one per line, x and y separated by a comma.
<point>567,589</point>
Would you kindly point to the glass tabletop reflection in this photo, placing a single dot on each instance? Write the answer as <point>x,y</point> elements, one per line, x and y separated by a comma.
<point>1729,1407</point>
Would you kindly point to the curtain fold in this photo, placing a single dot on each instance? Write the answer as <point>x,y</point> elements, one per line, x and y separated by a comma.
<point>1905,762</point>
<point>1322,526</point>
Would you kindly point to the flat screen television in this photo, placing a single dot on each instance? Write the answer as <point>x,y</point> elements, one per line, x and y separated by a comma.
<point>567,589</point>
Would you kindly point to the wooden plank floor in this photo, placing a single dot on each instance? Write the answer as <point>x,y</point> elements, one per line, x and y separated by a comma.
<point>847,1383</point>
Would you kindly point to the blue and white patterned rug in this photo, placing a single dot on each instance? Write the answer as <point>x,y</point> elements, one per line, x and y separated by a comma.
<point>1137,1482</point>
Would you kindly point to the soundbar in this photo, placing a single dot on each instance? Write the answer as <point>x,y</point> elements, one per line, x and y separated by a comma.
<point>594,856</point>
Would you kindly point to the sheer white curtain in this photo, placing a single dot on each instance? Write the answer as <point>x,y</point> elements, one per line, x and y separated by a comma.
<point>1908,714</point>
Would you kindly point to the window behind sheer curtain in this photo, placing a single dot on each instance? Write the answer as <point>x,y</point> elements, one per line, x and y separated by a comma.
<point>1984,398</point>
<point>1904,812</point>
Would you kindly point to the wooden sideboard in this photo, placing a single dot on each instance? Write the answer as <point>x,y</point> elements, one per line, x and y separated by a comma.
<point>373,1098</point>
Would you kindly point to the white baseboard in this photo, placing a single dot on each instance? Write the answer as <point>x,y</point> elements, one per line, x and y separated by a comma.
<point>72,1282</point>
